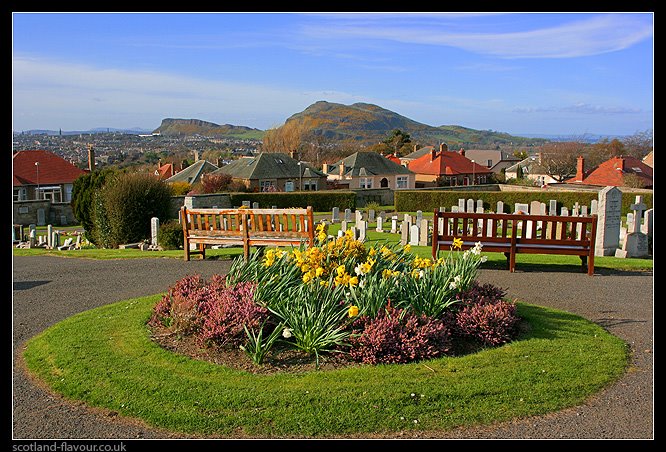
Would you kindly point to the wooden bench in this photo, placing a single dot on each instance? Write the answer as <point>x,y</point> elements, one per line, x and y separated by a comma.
<point>512,234</point>
<point>245,227</point>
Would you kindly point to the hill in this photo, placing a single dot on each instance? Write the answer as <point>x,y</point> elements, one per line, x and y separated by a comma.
<point>369,124</point>
<point>189,127</point>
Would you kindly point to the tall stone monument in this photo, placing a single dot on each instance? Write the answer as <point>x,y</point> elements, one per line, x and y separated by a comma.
<point>609,211</point>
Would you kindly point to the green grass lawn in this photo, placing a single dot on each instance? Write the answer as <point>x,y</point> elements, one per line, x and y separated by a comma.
<point>495,260</point>
<point>105,358</point>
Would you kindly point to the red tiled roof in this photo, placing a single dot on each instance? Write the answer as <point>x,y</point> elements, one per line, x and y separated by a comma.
<point>611,172</point>
<point>165,171</point>
<point>53,169</point>
<point>448,163</point>
<point>393,158</point>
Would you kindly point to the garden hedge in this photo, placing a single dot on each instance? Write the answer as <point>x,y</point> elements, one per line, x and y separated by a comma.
<point>428,200</point>
<point>321,201</point>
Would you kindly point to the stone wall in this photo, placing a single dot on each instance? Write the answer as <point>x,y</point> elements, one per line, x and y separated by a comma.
<point>42,212</point>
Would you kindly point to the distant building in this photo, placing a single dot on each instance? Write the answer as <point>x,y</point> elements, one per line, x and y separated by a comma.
<point>274,171</point>
<point>616,171</point>
<point>531,169</point>
<point>369,170</point>
<point>193,173</point>
<point>451,168</point>
<point>43,175</point>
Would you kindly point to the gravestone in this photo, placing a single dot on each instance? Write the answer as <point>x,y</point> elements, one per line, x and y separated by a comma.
<point>255,205</point>
<point>394,224</point>
<point>362,227</point>
<point>630,222</point>
<point>470,205</point>
<point>419,216</point>
<point>479,206</point>
<point>636,243</point>
<point>407,218</point>
<point>521,208</point>
<point>371,215</point>
<point>552,207</point>
<point>461,205</point>
<point>564,212</point>
<point>404,233</point>
<point>358,216</point>
<point>348,215</point>
<point>455,209</point>
<point>77,245</point>
<point>380,224</point>
<point>414,235</point>
<point>154,230</point>
<point>32,235</point>
<point>423,233</point>
<point>246,203</point>
<point>583,211</point>
<point>594,207</point>
<point>648,223</point>
<point>49,235</point>
<point>341,233</point>
<point>41,217</point>
<point>500,206</point>
<point>609,210</point>
<point>343,225</point>
<point>335,215</point>
<point>535,208</point>
<point>55,239</point>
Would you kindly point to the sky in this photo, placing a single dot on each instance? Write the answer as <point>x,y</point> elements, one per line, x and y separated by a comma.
<point>570,74</point>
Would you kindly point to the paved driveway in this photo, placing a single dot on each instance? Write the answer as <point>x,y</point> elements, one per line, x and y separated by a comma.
<point>49,289</point>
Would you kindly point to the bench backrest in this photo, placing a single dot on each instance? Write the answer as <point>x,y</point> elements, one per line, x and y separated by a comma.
<point>528,229</point>
<point>294,223</point>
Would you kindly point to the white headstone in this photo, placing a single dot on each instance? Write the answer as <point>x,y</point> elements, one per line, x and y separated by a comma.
<point>343,225</point>
<point>380,224</point>
<point>154,230</point>
<point>479,206</point>
<point>608,221</point>
<point>552,207</point>
<point>461,205</point>
<point>414,235</point>
<point>594,207</point>
<point>255,205</point>
<point>348,215</point>
<point>648,223</point>
<point>394,224</point>
<point>419,216</point>
<point>521,208</point>
<point>583,210</point>
<point>362,227</point>
<point>455,209</point>
<point>535,208</point>
<point>49,235</point>
<point>500,206</point>
<point>404,233</point>
<point>359,216</point>
<point>470,205</point>
<point>246,203</point>
<point>371,215</point>
<point>564,212</point>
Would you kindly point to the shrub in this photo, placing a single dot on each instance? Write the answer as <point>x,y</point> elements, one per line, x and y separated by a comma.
<point>130,200</point>
<point>215,183</point>
<point>492,324</point>
<point>321,201</point>
<point>170,235</point>
<point>180,188</point>
<point>83,193</point>
<point>398,336</point>
<point>228,311</point>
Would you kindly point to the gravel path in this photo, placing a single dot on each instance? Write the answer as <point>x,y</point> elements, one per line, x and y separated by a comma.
<point>48,289</point>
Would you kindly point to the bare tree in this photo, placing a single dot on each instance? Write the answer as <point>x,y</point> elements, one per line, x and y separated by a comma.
<point>639,144</point>
<point>559,159</point>
<point>285,138</point>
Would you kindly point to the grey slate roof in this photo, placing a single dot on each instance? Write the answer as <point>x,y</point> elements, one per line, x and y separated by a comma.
<point>367,164</point>
<point>192,174</point>
<point>419,153</point>
<point>268,165</point>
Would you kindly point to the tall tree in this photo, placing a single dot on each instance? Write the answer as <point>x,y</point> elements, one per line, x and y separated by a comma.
<point>398,141</point>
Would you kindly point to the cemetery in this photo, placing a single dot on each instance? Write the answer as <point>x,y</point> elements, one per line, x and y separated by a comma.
<point>328,304</point>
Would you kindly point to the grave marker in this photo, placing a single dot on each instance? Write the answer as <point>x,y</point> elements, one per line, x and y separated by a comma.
<point>608,221</point>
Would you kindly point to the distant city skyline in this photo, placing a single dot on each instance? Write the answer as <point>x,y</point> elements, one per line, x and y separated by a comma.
<point>521,73</point>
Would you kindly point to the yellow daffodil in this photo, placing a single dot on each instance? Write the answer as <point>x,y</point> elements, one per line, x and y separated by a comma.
<point>457,243</point>
<point>372,252</point>
<point>353,281</point>
<point>341,270</point>
<point>319,271</point>
<point>353,311</point>
<point>407,248</point>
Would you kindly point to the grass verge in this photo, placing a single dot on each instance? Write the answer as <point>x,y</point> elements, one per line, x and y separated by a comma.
<point>105,357</point>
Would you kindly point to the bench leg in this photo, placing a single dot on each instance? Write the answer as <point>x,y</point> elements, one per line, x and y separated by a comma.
<point>186,248</point>
<point>508,260</point>
<point>202,251</point>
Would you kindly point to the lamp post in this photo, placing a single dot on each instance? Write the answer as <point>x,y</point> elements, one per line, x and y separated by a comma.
<point>37,166</point>
<point>473,173</point>
<point>300,176</point>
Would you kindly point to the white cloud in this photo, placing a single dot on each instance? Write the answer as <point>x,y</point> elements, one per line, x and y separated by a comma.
<point>592,36</point>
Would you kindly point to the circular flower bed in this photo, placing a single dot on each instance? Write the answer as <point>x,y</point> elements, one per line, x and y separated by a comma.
<point>341,301</point>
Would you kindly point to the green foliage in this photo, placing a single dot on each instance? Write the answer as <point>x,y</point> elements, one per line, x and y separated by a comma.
<point>82,198</point>
<point>170,235</point>
<point>321,201</point>
<point>181,188</point>
<point>129,201</point>
<point>429,200</point>
<point>257,347</point>
<point>100,233</point>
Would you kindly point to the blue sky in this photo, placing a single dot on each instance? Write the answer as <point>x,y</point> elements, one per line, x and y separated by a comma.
<point>521,73</point>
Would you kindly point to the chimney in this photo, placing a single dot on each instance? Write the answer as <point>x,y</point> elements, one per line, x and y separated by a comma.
<point>324,168</point>
<point>461,152</point>
<point>342,169</point>
<point>580,169</point>
<point>433,153</point>
<point>196,156</point>
<point>443,147</point>
<point>91,158</point>
<point>292,154</point>
<point>620,163</point>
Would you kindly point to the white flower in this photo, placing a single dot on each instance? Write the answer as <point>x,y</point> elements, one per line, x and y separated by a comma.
<point>361,283</point>
<point>286,333</point>
<point>477,248</point>
<point>484,258</point>
<point>358,270</point>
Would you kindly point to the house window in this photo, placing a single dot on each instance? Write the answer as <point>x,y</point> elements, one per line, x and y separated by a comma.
<point>20,194</point>
<point>366,182</point>
<point>288,186</point>
<point>401,182</point>
<point>53,194</point>
<point>490,163</point>
<point>310,185</point>
<point>267,185</point>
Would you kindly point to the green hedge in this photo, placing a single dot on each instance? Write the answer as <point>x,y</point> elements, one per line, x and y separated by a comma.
<point>428,200</point>
<point>321,201</point>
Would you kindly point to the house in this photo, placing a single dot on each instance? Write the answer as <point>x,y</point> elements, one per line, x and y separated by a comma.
<point>451,168</point>
<point>43,175</point>
<point>494,160</point>
<point>274,171</point>
<point>616,171</point>
<point>193,173</point>
<point>369,169</point>
<point>649,159</point>
<point>164,171</point>
<point>532,169</point>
